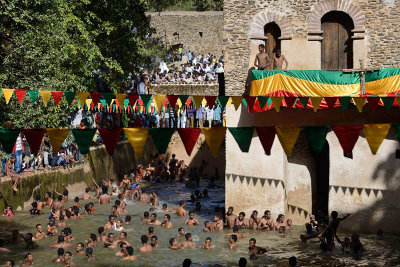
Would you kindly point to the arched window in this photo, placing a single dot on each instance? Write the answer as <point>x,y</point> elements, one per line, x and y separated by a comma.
<point>272,32</point>
<point>337,44</point>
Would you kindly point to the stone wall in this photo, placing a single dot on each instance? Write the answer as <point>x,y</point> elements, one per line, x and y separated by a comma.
<point>189,25</point>
<point>375,39</point>
<point>185,89</point>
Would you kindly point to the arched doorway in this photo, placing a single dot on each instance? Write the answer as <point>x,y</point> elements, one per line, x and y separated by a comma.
<point>337,44</point>
<point>272,32</point>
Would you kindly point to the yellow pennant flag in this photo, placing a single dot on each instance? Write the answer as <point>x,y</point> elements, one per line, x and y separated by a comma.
<point>158,100</point>
<point>214,138</point>
<point>179,103</point>
<point>57,137</point>
<point>315,101</point>
<point>88,103</point>
<point>198,100</point>
<point>45,97</point>
<point>137,137</point>
<point>82,97</point>
<point>236,100</point>
<point>359,101</point>
<point>121,99</point>
<point>288,137</point>
<point>375,133</point>
<point>228,104</point>
<point>277,101</point>
<point>8,94</point>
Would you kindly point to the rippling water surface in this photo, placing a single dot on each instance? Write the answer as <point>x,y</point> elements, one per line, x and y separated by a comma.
<point>379,252</point>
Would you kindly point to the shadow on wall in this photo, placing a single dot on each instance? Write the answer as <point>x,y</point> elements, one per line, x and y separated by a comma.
<point>247,87</point>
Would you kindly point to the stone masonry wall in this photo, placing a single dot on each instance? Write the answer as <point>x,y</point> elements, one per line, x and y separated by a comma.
<point>188,25</point>
<point>185,89</point>
<point>379,19</point>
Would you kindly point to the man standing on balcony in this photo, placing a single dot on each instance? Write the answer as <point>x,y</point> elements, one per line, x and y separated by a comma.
<point>262,61</point>
<point>279,59</point>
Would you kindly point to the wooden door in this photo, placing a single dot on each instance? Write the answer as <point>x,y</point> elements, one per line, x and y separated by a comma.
<point>337,45</point>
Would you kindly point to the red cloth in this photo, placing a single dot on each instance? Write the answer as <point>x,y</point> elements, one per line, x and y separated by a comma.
<point>331,102</point>
<point>95,98</point>
<point>20,95</point>
<point>251,100</point>
<point>34,138</point>
<point>347,135</point>
<point>210,101</point>
<point>189,138</point>
<point>133,98</point>
<point>289,101</point>
<point>373,102</point>
<point>57,96</point>
<point>266,136</point>
<point>172,100</point>
<point>110,138</point>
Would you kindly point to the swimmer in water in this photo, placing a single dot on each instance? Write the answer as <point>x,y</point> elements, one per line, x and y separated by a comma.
<point>191,220</point>
<point>86,195</point>
<point>241,221</point>
<point>180,209</point>
<point>167,221</point>
<point>154,242</point>
<point>145,217</point>
<point>189,241</point>
<point>110,242</point>
<point>80,249</point>
<point>207,226</point>
<point>236,233</point>
<point>60,256</point>
<point>232,241</point>
<point>91,242</point>
<point>60,243</point>
<point>89,254</point>
<point>145,247</point>
<point>151,232</point>
<point>39,232</point>
<point>266,222</point>
<point>174,244</point>
<point>128,256</point>
<point>230,218</point>
<point>218,224</point>
<point>153,219</point>
<point>253,249</point>
<point>207,244</point>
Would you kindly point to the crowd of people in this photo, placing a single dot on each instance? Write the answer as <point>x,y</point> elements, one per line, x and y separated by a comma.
<point>114,193</point>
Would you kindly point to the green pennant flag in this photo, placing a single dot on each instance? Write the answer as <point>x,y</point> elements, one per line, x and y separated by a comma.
<point>8,138</point>
<point>161,138</point>
<point>147,100</point>
<point>83,138</point>
<point>303,100</point>
<point>33,94</point>
<point>126,102</point>
<point>397,130</point>
<point>108,97</point>
<point>316,136</point>
<point>244,102</point>
<point>263,100</point>
<point>69,96</point>
<point>222,100</point>
<point>183,99</point>
<point>243,136</point>
<point>388,102</point>
<point>344,102</point>
<point>103,103</point>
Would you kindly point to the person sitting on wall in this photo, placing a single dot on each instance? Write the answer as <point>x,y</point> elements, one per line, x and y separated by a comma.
<point>262,61</point>
<point>10,172</point>
<point>279,59</point>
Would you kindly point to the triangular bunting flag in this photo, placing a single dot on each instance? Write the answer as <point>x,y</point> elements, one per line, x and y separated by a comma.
<point>289,101</point>
<point>315,101</point>
<point>316,136</point>
<point>172,100</point>
<point>83,138</point>
<point>214,138</point>
<point>210,101</point>
<point>132,99</point>
<point>95,98</point>
<point>263,100</point>
<point>388,102</point>
<point>45,97</point>
<point>120,99</point>
<point>8,94</point>
<point>288,137</point>
<point>146,100</point>
<point>348,136</point>
<point>57,138</point>
<point>198,99</point>
<point>161,138</point>
<point>183,99</point>
<point>33,94</point>
<point>110,138</point>
<point>8,138</point>
<point>304,101</point>
<point>57,96</point>
<point>345,102</point>
<point>244,102</point>
<point>251,100</point>
<point>20,95</point>
<point>189,138</point>
<point>359,102</point>
<point>137,137</point>
<point>236,100</point>
<point>243,137</point>
<point>266,136</point>
<point>82,97</point>
<point>34,138</point>
<point>108,97</point>
<point>69,96</point>
<point>222,100</point>
<point>331,102</point>
<point>158,101</point>
<point>277,102</point>
<point>373,102</point>
<point>375,133</point>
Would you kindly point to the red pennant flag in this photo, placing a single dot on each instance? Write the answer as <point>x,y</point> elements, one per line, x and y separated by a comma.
<point>331,102</point>
<point>373,102</point>
<point>34,138</point>
<point>210,101</point>
<point>20,95</point>
<point>57,96</point>
<point>189,138</point>
<point>110,138</point>
<point>290,100</point>
<point>266,136</point>
<point>95,98</point>
<point>133,98</point>
<point>250,100</point>
<point>172,100</point>
<point>348,136</point>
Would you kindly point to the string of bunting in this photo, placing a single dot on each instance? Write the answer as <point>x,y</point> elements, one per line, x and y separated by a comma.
<point>214,137</point>
<point>126,103</point>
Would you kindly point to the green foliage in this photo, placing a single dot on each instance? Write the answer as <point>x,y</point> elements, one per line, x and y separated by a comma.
<point>185,5</point>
